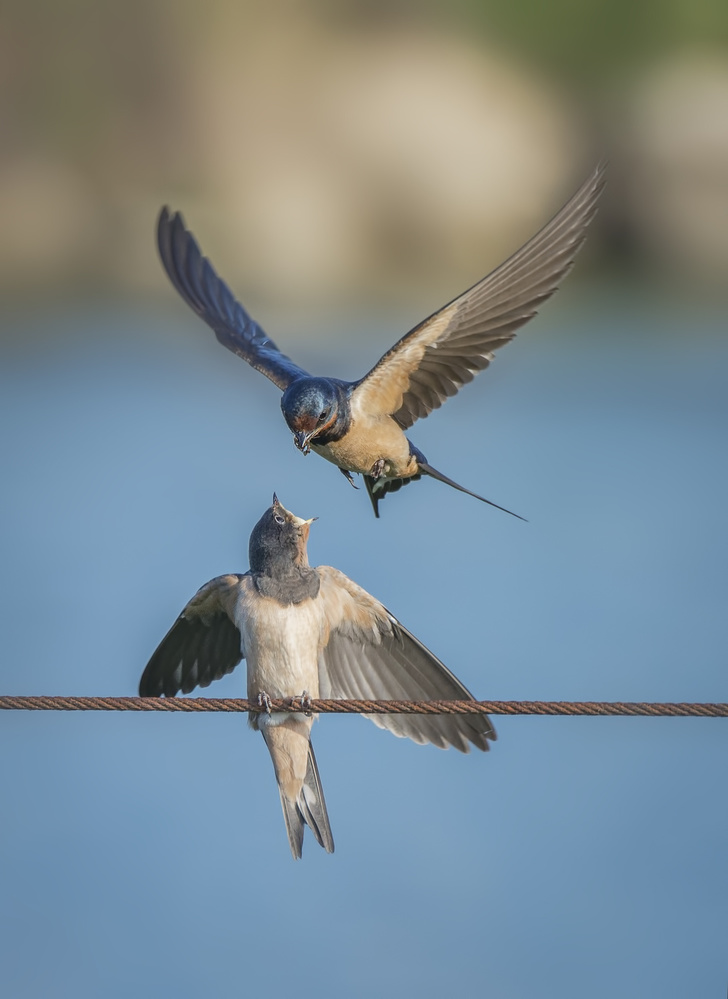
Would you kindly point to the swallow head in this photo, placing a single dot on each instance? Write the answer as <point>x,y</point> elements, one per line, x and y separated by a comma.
<point>279,540</point>
<point>311,409</point>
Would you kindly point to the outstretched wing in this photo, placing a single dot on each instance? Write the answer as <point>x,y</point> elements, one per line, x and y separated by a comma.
<point>206,294</point>
<point>449,348</point>
<point>370,655</point>
<point>202,645</point>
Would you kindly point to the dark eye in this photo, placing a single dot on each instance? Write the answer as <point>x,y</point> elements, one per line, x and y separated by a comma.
<point>279,519</point>
<point>324,416</point>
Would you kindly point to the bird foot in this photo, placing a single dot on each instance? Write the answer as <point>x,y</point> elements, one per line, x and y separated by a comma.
<point>305,701</point>
<point>264,702</point>
<point>348,476</point>
<point>377,468</point>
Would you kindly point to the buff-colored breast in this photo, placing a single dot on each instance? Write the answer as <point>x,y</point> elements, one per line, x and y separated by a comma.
<point>368,440</point>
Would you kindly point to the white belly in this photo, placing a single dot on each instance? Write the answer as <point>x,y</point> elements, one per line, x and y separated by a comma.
<point>281,646</point>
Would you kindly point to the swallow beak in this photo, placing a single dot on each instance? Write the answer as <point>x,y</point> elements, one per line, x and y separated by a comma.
<point>301,439</point>
<point>304,526</point>
<point>299,522</point>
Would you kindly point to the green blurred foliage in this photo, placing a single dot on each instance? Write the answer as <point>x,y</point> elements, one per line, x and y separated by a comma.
<point>590,40</point>
<point>575,41</point>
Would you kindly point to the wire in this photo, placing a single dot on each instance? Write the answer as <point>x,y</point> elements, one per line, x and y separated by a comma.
<point>315,706</point>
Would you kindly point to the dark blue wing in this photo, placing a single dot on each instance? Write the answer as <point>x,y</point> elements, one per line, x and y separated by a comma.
<point>206,294</point>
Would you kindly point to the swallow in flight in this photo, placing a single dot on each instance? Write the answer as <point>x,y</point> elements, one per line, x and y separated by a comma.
<point>305,632</point>
<point>359,426</point>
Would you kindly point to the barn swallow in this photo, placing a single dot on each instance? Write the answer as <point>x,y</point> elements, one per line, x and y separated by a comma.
<point>305,632</point>
<point>359,426</point>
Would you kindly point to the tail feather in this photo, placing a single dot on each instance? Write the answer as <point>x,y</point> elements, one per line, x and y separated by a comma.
<point>309,809</point>
<point>427,469</point>
<point>378,488</point>
<point>312,804</point>
<point>294,825</point>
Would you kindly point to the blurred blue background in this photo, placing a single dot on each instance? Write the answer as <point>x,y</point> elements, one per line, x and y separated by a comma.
<point>348,169</point>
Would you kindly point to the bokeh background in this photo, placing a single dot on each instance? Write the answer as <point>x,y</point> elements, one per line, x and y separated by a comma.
<point>350,166</point>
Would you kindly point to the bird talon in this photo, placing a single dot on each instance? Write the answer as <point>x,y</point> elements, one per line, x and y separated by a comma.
<point>305,702</point>
<point>348,476</point>
<point>264,702</point>
<point>377,468</point>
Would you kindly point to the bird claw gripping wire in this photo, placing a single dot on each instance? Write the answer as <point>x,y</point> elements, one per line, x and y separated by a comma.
<point>264,702</point>
<point>305,701</point>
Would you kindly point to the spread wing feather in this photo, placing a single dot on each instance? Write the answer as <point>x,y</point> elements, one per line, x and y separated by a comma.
<point>206,294</point>
<point>369,654</point>
<point>445,351</point>
<point>202,645</point>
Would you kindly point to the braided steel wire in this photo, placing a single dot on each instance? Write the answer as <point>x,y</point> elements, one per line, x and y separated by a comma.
<point>357,706</point>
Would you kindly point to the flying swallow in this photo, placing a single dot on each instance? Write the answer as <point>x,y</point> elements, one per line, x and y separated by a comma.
<point>305,632</point>
<point>359,426</point>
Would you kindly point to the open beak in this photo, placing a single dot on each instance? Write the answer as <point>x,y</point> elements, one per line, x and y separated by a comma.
<point>301,440</point>
<point>299,522</point>
<point>304,525</point>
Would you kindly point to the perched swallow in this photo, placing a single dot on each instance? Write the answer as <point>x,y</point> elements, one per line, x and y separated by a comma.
<point>360,425</point>
<point>305,632</point>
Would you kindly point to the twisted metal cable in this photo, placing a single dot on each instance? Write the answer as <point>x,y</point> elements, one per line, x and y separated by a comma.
<point>356,706</point>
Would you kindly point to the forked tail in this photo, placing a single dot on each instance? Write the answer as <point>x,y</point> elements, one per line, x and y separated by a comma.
<point>309,809</point>
<point>378,488</point>
<point>427,469</point>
